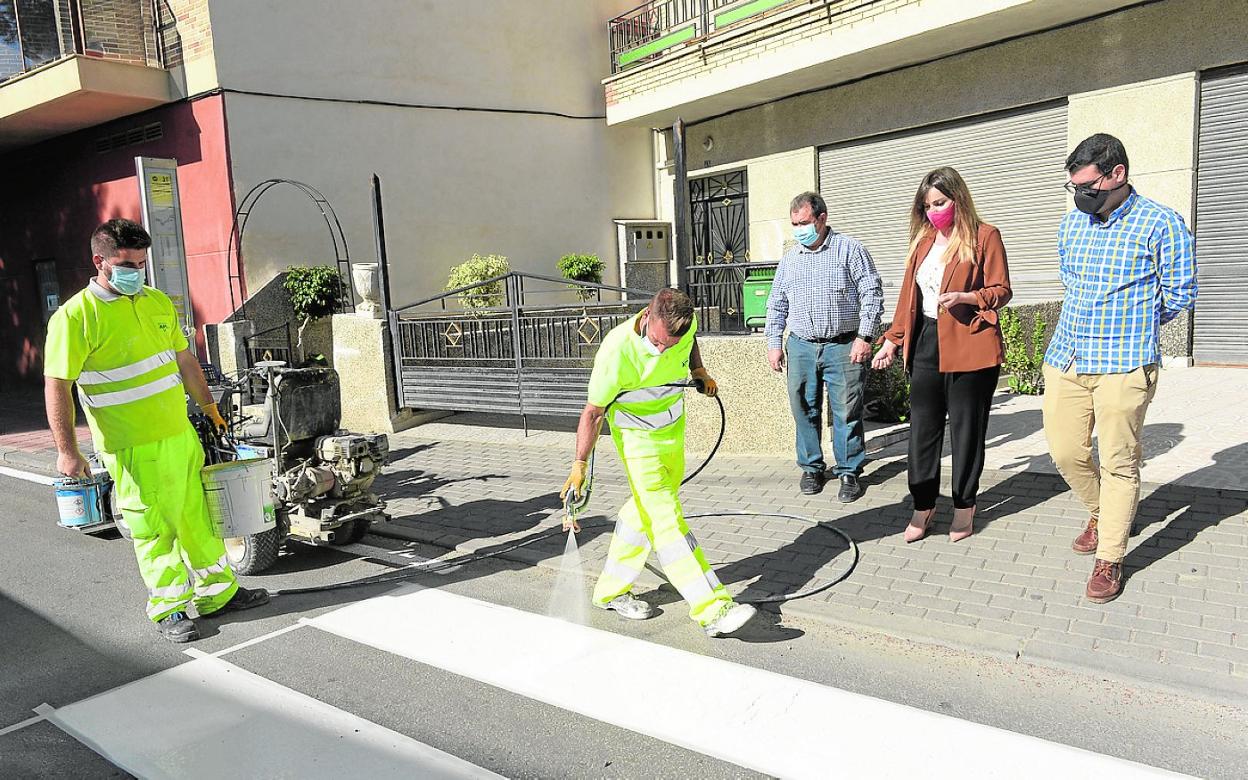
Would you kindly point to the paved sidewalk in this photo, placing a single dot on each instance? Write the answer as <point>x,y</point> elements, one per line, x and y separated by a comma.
<point>1013,590</point>
<point>25,441</point>
<point>1196,432</point>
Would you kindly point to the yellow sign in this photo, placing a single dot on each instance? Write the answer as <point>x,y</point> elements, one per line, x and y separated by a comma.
<point>160,189</point>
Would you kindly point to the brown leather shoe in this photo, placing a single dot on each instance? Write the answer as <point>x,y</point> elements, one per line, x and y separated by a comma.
<point>1106,582</point>
<point>1085,543</point>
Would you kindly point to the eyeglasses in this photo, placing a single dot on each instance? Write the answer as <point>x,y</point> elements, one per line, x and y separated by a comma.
<point>1071,187</point>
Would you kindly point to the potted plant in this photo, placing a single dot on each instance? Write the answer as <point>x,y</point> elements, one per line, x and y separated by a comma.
<point>476,269</point>
<point>581,268</point>
<point>315,291</point>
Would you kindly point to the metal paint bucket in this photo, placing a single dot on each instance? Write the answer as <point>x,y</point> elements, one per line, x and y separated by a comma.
<point>239,496</point>
<point>82,502</point>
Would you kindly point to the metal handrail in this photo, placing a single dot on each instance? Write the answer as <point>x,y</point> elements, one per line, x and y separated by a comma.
<point>444,296</point>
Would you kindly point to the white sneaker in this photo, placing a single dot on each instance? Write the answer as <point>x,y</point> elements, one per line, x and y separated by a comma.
<point>731,618</point>
<point>628,606</point>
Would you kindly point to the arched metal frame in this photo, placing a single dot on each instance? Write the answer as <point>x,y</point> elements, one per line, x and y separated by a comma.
<point>342,256</point>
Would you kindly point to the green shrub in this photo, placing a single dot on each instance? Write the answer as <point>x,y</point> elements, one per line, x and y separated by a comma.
<point>1024,363</point>
<point>888,394</point>
<point>582,268</point>
<point>478,268</point>
<point>315,291</point>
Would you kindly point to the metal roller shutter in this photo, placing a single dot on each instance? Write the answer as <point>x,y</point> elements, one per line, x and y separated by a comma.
<point>1012,163</point>
<point>1220,332</point>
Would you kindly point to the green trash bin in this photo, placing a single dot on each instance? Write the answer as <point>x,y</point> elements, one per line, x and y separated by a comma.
<point>754,293</point>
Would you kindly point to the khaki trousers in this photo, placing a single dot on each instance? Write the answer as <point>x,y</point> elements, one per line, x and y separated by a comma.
<point>1113,404</point>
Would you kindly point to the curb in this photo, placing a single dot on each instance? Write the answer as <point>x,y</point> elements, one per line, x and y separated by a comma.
<point>30,461</point>
<point>1223,689</point>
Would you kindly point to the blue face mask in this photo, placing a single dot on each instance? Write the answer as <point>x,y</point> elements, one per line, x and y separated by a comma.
<point>806,234</point>
<point>127,281</point>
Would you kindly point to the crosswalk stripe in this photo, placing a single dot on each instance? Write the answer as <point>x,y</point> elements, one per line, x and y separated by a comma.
<point>757,719</point>
<point>28,476</point>
<point>210,719</point>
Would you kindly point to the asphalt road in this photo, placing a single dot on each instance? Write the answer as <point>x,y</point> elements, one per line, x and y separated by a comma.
<point>73,627</point>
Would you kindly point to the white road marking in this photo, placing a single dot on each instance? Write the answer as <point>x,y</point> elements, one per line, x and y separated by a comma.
<point>195,652</point>
<point>28,476</point>
<point>757,719</point>
<point>210,719</point>
<point>23,724</point>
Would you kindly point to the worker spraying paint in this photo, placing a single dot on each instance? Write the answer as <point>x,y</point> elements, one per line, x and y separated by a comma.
<point>120,342</point>
<point>634,369</point>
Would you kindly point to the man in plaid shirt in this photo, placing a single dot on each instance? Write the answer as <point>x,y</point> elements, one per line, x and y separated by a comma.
<point>1129,267</point>
<point>829,295</point>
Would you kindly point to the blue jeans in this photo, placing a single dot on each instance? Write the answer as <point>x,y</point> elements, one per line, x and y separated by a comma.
<point>810,366</point>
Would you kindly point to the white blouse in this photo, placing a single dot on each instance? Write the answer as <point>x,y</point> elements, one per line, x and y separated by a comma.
<point>929,277</point>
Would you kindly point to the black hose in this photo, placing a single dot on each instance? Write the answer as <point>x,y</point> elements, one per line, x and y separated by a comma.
<point>433,567</point>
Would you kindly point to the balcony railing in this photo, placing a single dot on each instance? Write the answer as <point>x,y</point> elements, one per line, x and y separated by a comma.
<point>652,28</point>
<point>34,33</point>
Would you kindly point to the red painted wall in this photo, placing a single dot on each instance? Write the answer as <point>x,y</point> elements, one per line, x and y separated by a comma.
<point>55,193</point>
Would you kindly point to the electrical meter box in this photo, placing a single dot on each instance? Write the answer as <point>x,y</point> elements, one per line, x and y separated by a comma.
<point>645,249</point>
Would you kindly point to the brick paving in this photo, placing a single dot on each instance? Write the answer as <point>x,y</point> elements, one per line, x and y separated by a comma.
<point>1013,590</point>
<point>25,441</point>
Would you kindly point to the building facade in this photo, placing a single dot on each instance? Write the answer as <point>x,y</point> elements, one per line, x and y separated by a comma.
<point>484,119</point>
<point>859,99</point>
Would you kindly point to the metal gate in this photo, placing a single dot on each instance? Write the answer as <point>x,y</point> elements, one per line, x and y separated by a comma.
<point>1220,330</point>
<point>720,220</point>
<point>498,352</point>
<point>719,213</point>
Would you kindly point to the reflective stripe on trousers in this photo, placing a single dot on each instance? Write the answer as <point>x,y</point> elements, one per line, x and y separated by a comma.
<point>653,519</point>
<point>159,493</point>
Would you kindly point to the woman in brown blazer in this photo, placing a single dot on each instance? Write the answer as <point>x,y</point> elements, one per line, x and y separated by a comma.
<point>946,329</point>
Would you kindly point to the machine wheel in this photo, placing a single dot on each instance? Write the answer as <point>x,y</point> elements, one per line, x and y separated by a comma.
<point>352,532</point>
<point>255,553</point>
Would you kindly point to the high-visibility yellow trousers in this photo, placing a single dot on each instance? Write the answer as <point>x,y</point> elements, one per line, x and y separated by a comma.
<point>161,500</point>
<point>653,520</point>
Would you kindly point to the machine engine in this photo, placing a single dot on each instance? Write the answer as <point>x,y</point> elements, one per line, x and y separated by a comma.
<point>343,466</point>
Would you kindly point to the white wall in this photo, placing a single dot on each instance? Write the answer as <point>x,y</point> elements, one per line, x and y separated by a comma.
<point>509,181</point>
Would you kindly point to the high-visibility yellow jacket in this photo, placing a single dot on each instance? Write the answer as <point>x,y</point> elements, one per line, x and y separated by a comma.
<point>122,352</point>
<point>629,377</point>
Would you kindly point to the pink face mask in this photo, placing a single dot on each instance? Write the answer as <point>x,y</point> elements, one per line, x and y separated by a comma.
<point>942,220</point>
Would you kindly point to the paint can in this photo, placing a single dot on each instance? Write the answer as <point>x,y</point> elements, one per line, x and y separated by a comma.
<point>251,451</point>
<point>82,502</point>
<point>239,497</point>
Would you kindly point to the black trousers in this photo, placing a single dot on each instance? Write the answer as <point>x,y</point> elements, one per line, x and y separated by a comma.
<point>966,397</point>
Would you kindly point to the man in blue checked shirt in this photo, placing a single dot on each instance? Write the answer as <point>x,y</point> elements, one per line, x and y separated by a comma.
<point>1128,267</point>
<point>829,295</point>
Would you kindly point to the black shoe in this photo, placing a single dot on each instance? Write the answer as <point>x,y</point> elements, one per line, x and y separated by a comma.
<point>812,483</point>
<point>850,489</point>
<point>177,628</point>
<point>244,599</point>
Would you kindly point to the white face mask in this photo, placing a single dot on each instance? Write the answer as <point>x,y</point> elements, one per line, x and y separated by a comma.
<point>648,344</point>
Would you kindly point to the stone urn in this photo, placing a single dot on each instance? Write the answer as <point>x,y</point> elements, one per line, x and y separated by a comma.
<point>367,281</point>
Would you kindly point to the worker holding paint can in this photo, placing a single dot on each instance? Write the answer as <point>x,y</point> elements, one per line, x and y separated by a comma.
<point>120,341</point>
<point>631,387</point>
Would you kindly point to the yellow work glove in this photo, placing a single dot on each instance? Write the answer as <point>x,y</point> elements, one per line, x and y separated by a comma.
<point>576,479</point>
<point>709,386</point>
<point>214,414</point>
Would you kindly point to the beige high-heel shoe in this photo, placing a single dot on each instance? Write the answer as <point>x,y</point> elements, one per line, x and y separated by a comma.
<point>915,532</point>
<point>963,524</point>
